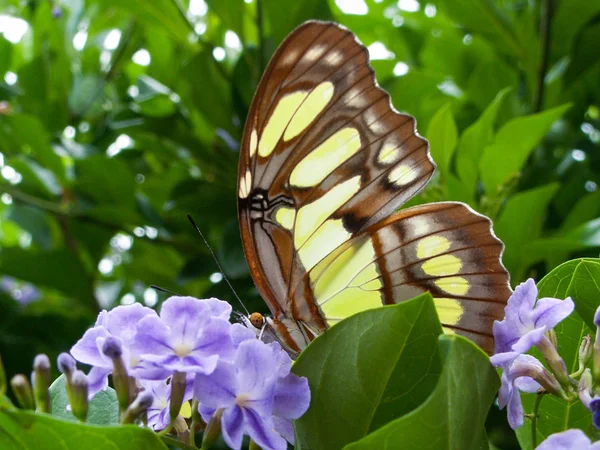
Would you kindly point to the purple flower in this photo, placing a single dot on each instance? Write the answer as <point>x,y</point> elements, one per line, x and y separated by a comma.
<point>158,413</point>
<point>594,406</point>
<point>257,395</point>
<point>526,321</point>
<point>573,439</point>
<point>189,336</point>
<point>513,379</point>
<point>119,323</point>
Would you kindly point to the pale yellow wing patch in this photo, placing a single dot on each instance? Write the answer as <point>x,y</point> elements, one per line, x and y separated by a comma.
<point>319,163</point>
<point>283,112</point>
<point>316,101</point>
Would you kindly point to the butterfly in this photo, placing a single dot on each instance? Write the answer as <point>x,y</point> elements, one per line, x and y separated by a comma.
<point>325,162</point>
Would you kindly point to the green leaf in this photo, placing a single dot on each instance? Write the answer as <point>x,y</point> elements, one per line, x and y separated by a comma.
<point>453,417</point>
<point>103,409</point>
<point>442,135</point>
<point>474,139</point>
<point>512,146</point>
<point>586,208</point>
<point>106,180</point>
<point>5,55</point>
<point>295,13</point>
<point>571,279</point>
<point>521,222</point>
<point>26,134</point>
<point>167,15</point>
<point>568,20</point>
<point>485,18</point>
<point>24,430</point>
<point>58,269</point>
<point>231,13</point>
<point>368,370</point>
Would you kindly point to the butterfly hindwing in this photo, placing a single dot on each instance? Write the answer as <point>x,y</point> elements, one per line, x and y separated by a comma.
<point>325,161</point>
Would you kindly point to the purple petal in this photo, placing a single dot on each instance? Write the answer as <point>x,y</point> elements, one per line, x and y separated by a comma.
<point>551,311</point>
<point>574,439</point>
<point>152,337</point>
<point>86,349</point>
<point>101,318</point>
<point>218,308</point>
<point>503,359</point>
<point>505,391</point>
<point>285,428</point>
<point>524,296</point>
<point>150,370</point>
<point>215,339</point>
<point>240,333</point>
<point>232,427</point>
<point>284,362</point>
<point>201,364</point>
<point>219,389</point>
<point>597,317</point>
<point>206,412</point>
<point>529,340</point>
<point>255,360</point>
<point>122,321</point>
<point>515,409</point>
<point>292,397</point>
<point>97,380</point>
<point>185,316</point>
<point>262,431</point>
<point>504,336</point>
<point>527,384</point>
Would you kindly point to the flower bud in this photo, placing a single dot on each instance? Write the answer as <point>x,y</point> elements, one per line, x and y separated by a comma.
<point>22,390</point>
<point>178,385</point>
<point>66,365</point>
<point>138,407</point>
<point>555,362</point>
<point>585,351</point>
<point>585,387</point>
<point>212,431</point>
<point>40,379</point>
<point>551,335</point>
<point>539,374</point>
<point>113,349</point>
<point>78,395</point>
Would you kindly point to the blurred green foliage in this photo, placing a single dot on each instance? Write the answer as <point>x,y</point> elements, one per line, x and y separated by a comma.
<point>119,117</point>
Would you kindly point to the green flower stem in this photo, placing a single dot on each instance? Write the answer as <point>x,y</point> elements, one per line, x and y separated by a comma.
<point>213,430</point>
<point>2,379</point>
<point>176,443</point>
<point>536,409</point>
<point>253,446</point>
<point>196,421</point>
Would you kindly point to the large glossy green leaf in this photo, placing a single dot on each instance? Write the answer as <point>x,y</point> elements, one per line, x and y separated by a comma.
<point>368,370</point>
<point>513,144</point>
<point>453,417</point>
<point>522,220</point>
<point>442,135</point>
<point>103,408</point>
<point>572,279</point>
<point>473,141</point>
<point>23,430</point>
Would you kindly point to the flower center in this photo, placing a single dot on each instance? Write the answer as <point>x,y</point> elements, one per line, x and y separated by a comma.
<point>182,350</point>
<point>242,400</point>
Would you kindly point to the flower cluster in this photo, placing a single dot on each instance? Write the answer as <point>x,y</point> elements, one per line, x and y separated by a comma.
<point>192,353</point>
<point>529,322</point>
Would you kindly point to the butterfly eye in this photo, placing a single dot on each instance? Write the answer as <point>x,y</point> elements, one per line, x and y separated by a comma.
<point>257,320</point>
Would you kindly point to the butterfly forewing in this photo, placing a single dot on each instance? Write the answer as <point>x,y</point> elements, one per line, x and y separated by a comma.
<point>325,161</point>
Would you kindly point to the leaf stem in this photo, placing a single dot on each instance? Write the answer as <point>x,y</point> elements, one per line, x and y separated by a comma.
<point>545,17</point>
<point>536,408</point>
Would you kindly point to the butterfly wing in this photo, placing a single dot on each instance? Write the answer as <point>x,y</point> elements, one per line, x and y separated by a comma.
<point>444,248</point>
<point>324,159</point>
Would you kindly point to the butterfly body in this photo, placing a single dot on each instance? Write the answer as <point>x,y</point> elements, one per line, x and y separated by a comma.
<point>325,163</point>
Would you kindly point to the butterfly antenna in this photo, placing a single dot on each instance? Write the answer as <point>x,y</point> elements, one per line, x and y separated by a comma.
<point>218,264</point>
<point>158,288</point>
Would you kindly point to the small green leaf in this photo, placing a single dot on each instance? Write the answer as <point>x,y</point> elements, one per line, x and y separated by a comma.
<point>24,430</point>
<point>103,409</point>
<point>474,140</point>
<point>521,222</point>
<point>453,417</point>
<point>513,144</point>
<point>232,14</point>
<point>368,370</point>
<point>442,135</point>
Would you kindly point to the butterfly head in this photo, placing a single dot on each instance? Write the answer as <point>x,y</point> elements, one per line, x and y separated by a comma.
<point>257,320</point>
